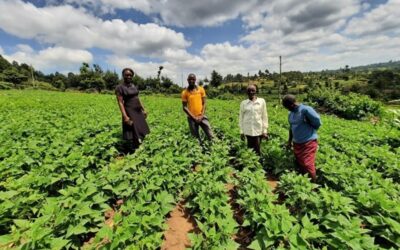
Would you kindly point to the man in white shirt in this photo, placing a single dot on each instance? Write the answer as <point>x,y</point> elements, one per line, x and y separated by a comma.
<point>253,119</point>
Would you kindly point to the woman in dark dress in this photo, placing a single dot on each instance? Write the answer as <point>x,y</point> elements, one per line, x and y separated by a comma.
<point>134,125</point>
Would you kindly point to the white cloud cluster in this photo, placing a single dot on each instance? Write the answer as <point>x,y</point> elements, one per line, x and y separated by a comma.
<point>177,12</point>
<point>309,34</point>
<point>75,28</point>
<point>52,58</point>
<point>382,20</point>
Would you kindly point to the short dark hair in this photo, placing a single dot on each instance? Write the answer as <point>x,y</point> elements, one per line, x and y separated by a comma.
<point>128,69</point>
<point>251,85</point>
<point>288,100</point>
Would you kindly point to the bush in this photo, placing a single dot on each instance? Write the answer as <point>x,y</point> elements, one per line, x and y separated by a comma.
<point>36,85</point>
<point>351,106</point>
<point>226,96</point>
<point>6,85</point>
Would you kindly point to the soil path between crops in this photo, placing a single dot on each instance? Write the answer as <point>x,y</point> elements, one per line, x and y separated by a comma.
<point>180,224</point>
<point>272,182</point>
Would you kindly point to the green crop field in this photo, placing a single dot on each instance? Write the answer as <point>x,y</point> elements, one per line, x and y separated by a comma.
<point>61,172</point>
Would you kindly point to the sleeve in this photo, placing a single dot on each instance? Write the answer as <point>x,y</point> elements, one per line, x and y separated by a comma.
<point>313,117</point>
<point>264,117</point>
<point>241,118</point>
<point>184,96</point>
<point>118,90</point>
<point>202,92</point>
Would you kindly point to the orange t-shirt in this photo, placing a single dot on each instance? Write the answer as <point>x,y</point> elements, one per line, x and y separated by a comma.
<point>194,100</point>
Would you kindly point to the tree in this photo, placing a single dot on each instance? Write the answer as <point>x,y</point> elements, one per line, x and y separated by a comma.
<point>73,81</point>
<point>4,64</point>
<point>111,79</point>
<point>12,75</point>
<point>139,82</point>
<point>166,82</point>
<point>228,78</point>
<point>239,78</point>
<point>216,79</point>
<point>159,71</point>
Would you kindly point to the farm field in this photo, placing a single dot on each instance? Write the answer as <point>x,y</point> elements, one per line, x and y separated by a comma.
<point>62,174</point>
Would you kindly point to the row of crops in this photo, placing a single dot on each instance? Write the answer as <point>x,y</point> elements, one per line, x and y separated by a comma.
<point>61,172</point>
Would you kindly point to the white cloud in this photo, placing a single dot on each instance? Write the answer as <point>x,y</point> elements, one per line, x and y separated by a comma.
<point>383,19</point>
<point>178,12</point>
<point>75,28</point>
<point>52,58</point>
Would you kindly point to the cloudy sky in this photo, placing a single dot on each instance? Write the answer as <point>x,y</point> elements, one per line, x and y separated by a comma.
<point>230,36</point>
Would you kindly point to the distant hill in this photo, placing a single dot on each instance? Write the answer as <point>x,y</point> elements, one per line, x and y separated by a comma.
<point>377,66</point>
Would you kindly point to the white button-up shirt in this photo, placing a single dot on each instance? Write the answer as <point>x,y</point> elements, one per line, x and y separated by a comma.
<point>253,117</point>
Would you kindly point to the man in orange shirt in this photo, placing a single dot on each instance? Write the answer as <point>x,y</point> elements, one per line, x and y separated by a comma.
<point>194,105</point>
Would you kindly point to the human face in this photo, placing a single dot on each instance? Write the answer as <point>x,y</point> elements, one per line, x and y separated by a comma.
<point>191,80</point>
<point>251,92</point>
<point>289,106</point>
<point>127,76</point>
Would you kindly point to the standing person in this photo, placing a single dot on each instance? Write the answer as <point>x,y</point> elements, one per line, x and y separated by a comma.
<point>304,122</point>
<point>253,120</point>
<point>194,105</point>
<point>134,125</point>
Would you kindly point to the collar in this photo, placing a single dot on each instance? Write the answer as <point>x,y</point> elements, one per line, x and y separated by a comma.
<point>297,108</point>
<point>195,88</point>
<point>256,100</point>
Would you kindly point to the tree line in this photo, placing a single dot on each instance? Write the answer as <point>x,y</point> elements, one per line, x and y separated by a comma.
<point>379,81</point>
<point>90,78</point>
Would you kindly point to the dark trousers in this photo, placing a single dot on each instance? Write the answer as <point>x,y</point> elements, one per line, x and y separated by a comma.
<point>254,142</point>
<point>204,124</point>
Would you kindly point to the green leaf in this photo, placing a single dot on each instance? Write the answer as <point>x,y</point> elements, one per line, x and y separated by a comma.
<point>22,224</point>
<point>58,243</point>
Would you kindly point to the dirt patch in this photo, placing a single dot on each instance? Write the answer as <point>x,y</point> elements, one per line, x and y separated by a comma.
<point>272,182</point>
<point>244,235</point>
<point>179,225</point>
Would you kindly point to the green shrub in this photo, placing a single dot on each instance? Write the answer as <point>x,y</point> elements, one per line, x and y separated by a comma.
<point>6,85</point>
<point>351,106</point>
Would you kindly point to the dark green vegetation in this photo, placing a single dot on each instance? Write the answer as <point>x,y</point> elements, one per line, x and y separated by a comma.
<point>89,79</point>
<point>61,172</point>
<point>379,81</point>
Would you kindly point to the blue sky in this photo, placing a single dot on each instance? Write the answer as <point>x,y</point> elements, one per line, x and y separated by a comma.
<point>230,36</point>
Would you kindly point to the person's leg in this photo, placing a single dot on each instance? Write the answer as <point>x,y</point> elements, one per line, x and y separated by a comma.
<point>205,125</point>
<point>253,142</point>
<point>194,128</point>
<point>305,157</point>
<point>309,164</point>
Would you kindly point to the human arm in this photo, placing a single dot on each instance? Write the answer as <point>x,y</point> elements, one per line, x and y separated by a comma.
<point>264,118</point>
<point>187,111</point>
<point>290,139</point>
<point>312,117</point>
<point>203,104</point>
<point>120,101</point>
<point>143,110</point>
<point>241,110</point>
<point>203,109</point>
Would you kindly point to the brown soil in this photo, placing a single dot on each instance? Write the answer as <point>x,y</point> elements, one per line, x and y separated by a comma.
<point>244,235</point>
<point>272,182</point>
<point>179,225</point>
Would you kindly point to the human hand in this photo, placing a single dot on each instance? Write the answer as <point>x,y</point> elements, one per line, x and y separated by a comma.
<point>264,136</point>
<point>128,121</point>
<point>198,119</point>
